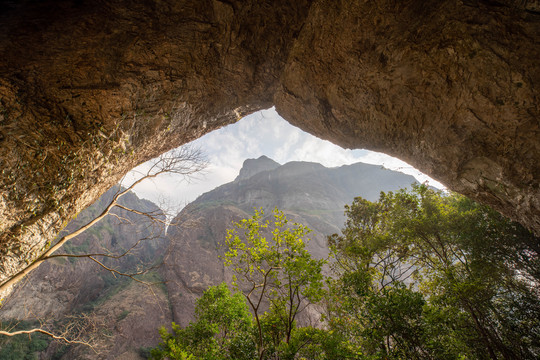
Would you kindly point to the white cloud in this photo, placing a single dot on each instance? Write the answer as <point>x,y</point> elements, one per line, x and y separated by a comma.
<point>262,133</point>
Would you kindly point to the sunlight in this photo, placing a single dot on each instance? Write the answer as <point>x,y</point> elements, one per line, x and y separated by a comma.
<point>261,133</point>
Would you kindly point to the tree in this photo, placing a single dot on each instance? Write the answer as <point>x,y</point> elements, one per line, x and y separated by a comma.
<point>277,268</point>
<point>184,161</point>
<point>430,275</point>
<point>222,330</point>
<point>277,277</point>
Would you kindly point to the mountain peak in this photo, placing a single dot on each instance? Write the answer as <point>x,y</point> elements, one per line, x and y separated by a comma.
<point>255,166</point>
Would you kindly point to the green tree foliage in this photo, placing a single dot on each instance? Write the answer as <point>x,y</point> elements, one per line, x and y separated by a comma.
<point>424,275</point>
<point>278,278</point>
<point>222,330</point>
<point>418,275</point>
<point>272,265</point>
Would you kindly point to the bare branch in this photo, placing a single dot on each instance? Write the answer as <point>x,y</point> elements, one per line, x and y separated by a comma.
<point>184,161</point>
<point>132,276</point>
<point>112,256</point>
<point>142,213</point>
<point>41,331</point>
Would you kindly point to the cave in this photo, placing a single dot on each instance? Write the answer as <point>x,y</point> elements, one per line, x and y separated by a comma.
<point>90,89</point>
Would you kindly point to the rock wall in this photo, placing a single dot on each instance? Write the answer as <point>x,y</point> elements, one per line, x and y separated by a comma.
<point>449,86</point>
<point>90,89</point>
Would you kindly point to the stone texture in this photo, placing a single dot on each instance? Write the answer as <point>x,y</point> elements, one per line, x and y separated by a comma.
<point>448,86</point>
<point>90,89</point>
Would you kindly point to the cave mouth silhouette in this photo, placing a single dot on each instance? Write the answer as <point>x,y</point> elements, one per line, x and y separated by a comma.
<point>262,133</point>
<point>88,90</point>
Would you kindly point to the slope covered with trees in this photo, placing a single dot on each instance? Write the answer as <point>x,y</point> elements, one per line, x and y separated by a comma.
<point>416,275</point>
<point>308,193</point>
<point>80,300</point>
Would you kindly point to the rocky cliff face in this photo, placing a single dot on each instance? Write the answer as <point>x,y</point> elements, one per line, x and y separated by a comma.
<point>121,315</point>
<point>254,166</point>
<point>308,193</point>
<point>127,314</point>
<point>90,89</point>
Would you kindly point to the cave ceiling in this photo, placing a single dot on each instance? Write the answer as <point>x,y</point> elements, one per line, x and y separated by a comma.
<point>90,89</point>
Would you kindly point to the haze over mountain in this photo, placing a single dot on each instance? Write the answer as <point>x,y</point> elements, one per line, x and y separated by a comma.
<point>308,193</point>
<point>130,314</point>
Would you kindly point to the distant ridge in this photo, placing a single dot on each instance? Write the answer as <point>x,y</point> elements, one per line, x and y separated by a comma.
<point>282,183</point>
<point>252,167</point>
<point>307,192</point>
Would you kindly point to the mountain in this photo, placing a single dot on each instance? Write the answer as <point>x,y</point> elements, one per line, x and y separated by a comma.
<point>123,315</point>
<point>255,166</point>
<point>120,315</point>
<point>308,193</point>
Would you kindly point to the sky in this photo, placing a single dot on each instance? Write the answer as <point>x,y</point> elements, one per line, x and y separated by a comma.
<point>261,133</point>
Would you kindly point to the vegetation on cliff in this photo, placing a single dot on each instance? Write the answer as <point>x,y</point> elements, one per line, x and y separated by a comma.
<point>280,280</point>
<point>416,275</point>
<point>423,275</point>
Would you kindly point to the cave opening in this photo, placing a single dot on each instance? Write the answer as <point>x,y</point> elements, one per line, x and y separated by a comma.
<point>263,133</point>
